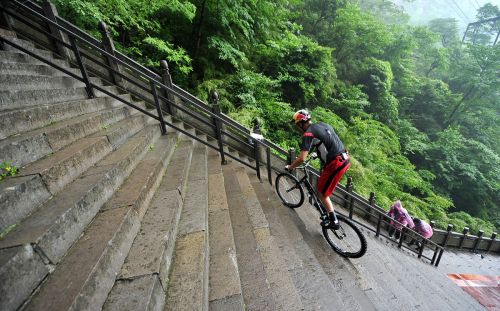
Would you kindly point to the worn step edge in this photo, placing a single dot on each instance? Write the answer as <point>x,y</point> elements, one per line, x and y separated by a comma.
<point>20,194</point>
<point>59,223</point>
<point>284,290</point>
<point>34,145</point>
<point>30,118</point>
<point>19,64</point>
<point>149,259</point>
<point>31,82</point>
<point>28,45</point>
<point>254,284</point>
<point>188,279</point>
<point>19,98</point>
<point>224,282</point>
<point>100,252</point>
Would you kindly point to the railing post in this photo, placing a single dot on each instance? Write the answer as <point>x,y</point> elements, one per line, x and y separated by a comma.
<point>478,240</point>
<point>85,76</point>
<point>109,46</point>
<point>348,188</point>
<point>5,19</point>
<point>158,107</point>
<point>218,125</point>
<point>371,201</point>
<point>436,250</point>
<point>379,223</point>
<point>350,203</point>
<point>402,237</point>
<point>167,80</point>
<point>290,158</point>
<point>464,237</point>
<point>269,168</point>
<point>50,11</point>
<point>445,242</point>
<point>421,248</point>
<point>493,237</point>
<point>256,153</point>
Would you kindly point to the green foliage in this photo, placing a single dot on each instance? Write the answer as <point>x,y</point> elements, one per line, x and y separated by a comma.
<point>303,68</point>
<point>7,169</point>
<point>160,49</point>
<point>377,78</point>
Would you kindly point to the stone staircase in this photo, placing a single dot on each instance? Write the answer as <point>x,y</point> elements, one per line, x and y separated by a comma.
<point>107,213</point>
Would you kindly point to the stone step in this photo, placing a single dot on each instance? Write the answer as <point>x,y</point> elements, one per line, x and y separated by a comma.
<point>225,285</point>
<point>143,278</point>
<point>281,284</point>
<point>14,63</point>
<point>23,43</point>
<point>97,256</point>
<point>404,277</point>
<point>32,82</point>
<point>34,145</point>
<point>39,242</point>
<point>5,33</point>
<point>257,294</point>
<point>302,245</point>
<point>428,285</point>
<point>40,180</point>
<point>15,99</point>
<point>341,271</point>
<point>188,280</point>
<point>28,45</point>
<point>19,98</point>
<point>30,118</point>
<point>48,55</point>
<point>17,57</point>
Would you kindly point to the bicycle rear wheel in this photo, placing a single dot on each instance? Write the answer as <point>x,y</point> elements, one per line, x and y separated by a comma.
<point>289,190</point>
<point>348,241</point>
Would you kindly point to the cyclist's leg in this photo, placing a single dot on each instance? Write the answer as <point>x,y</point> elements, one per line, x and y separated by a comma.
<point>328,180</point>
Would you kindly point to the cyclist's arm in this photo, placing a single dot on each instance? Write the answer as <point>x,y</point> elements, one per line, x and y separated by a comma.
<point>299,160</point>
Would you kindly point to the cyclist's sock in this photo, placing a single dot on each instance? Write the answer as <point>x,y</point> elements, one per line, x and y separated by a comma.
<point>334,223</point>
<point>332,217</point>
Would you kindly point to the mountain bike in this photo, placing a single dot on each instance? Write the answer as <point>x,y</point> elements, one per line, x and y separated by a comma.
<point>347,241</point>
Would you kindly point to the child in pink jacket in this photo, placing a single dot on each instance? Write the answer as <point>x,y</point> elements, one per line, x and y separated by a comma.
<point>422,228</point>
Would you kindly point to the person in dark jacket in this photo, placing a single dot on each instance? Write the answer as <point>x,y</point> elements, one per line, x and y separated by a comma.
<point>332,153</point>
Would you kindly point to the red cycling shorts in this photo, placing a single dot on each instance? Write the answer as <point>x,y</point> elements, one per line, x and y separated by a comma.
<point>331,175</point>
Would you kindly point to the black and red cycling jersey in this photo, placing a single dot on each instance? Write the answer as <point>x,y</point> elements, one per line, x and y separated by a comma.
<point>322,137</point>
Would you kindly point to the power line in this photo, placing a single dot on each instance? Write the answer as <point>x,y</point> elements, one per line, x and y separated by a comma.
<point>460,16</point>
<point>473,5</point>
<point>478,5</point>
<point>466,17</point>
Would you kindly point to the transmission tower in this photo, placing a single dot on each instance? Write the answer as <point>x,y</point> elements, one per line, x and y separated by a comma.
<point>478,23</point>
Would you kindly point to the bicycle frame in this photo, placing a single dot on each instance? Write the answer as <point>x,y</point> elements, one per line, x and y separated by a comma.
<point>313,197</point>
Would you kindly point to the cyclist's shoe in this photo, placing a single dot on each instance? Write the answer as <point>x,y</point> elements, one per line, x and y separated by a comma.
<point>330,224</point>
<point>335,225</point>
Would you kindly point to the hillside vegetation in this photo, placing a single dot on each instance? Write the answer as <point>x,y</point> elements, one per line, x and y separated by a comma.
<point>418,110</point>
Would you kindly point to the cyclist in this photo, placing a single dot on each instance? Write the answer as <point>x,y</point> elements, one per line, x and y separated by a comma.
<point>334,158</point>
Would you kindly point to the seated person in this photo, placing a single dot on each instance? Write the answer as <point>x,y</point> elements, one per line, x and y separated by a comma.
<point>399,214</point>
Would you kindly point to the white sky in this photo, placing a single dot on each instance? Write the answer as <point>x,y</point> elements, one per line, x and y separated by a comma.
<point>464,11</point>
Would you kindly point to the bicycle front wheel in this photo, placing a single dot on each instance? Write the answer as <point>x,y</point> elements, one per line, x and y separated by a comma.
<point>348,241</point>
<point>289,190</point>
